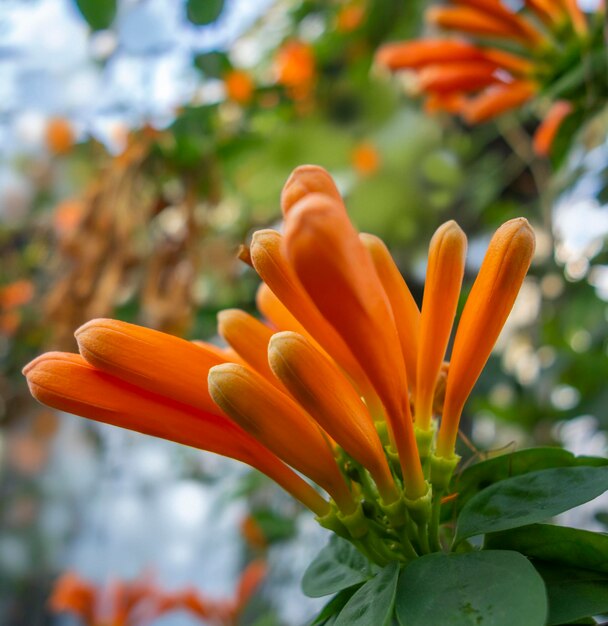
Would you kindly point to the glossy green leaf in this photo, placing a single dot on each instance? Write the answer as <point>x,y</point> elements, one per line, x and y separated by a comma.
<point>338,566</point>
<point>488,588</point>
<point>531,498</point>
<point>567,546</point>
<point>98,14</point>
<point>202,12</point>
<point>481,475</point>
<point>334,606</point>
<point>372,604</point>
<point>573,593</point>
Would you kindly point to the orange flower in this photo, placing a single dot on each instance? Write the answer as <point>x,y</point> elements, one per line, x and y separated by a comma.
<point>479,80</point>
<point>443,280</point>
<point>59,136</point>
<point>239,86</point>
<point>317,384</point>
<point>327,387</point>
<point>295,68</point>
<point>366,159</point>
<point>349,17</point>
<point>337,272</point>
<point>487,308</point>
<point>69,383</point>
<point>547,131</point>
<point>279,424</point>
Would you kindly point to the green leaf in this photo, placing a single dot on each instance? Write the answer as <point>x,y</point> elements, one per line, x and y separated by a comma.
<point>531,498</point>
<point>488,588</point>
<point>202,12</point>
<point>334,606</point>
<point>338,566</point>
<point>566,546</point>
<point>372,604</point>
<point>481,475</point>
<point>213,64</point>
<point>98,14</point>
<point>574,594</point>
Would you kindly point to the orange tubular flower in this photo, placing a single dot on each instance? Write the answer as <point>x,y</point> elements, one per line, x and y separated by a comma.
<point>496,100</point>
<point>280,424</point>
<point>68,383</point>
<point>404,307</point>
<point>239,86</point>
<point>487,308</point>
<point>337,272</point>
<point>445,270</point>
<point>479,80</point>
<point>319,386</point>
<point>295,68</point>
<point>150,359</point>
<point>304,180</point>
<point>547,131</point>
<point>273,268</point>
<point>248,337</point>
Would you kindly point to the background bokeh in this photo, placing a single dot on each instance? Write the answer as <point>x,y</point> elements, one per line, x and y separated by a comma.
<point>141,141</point>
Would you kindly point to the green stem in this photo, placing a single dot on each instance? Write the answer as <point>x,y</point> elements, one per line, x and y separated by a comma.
<point>434,525</point>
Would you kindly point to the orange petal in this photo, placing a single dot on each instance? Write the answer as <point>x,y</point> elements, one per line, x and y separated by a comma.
<point>280,424</point>
<point>451,77</point>
<point>547,131</point>
<point>319,386</point>
<point>149,359</point>
<point>487,308</point>
<point>496,100</point>
<point>68,383</point>
<point>272,266</point>
<point>338,273</point>
<point>420,52</point>
<point>307,179</point>
<point>404,307</point>
<point>249,337</point>
<point>445,270</point>
<point>474,22</point>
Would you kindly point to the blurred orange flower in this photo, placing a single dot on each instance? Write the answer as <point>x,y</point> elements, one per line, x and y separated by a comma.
<point>59,135</point>
<point>140,602</point>
<point>239,86</point>
<point>295,68</point>
<point>366,159</point>
<point>350,17</point>
<point>499,58</point>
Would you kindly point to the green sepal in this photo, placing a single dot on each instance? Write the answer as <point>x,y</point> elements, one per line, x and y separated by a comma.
<point>420,508</point>
<point>332,522</point>
<point>396,511</point>
<point>356,523</point>
<point>442,469</point>
<point>425,439</point>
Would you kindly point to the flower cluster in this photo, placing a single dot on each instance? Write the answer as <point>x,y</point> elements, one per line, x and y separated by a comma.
<point>141,602</point>
<point>500,58</point>
<point>344,382</point>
